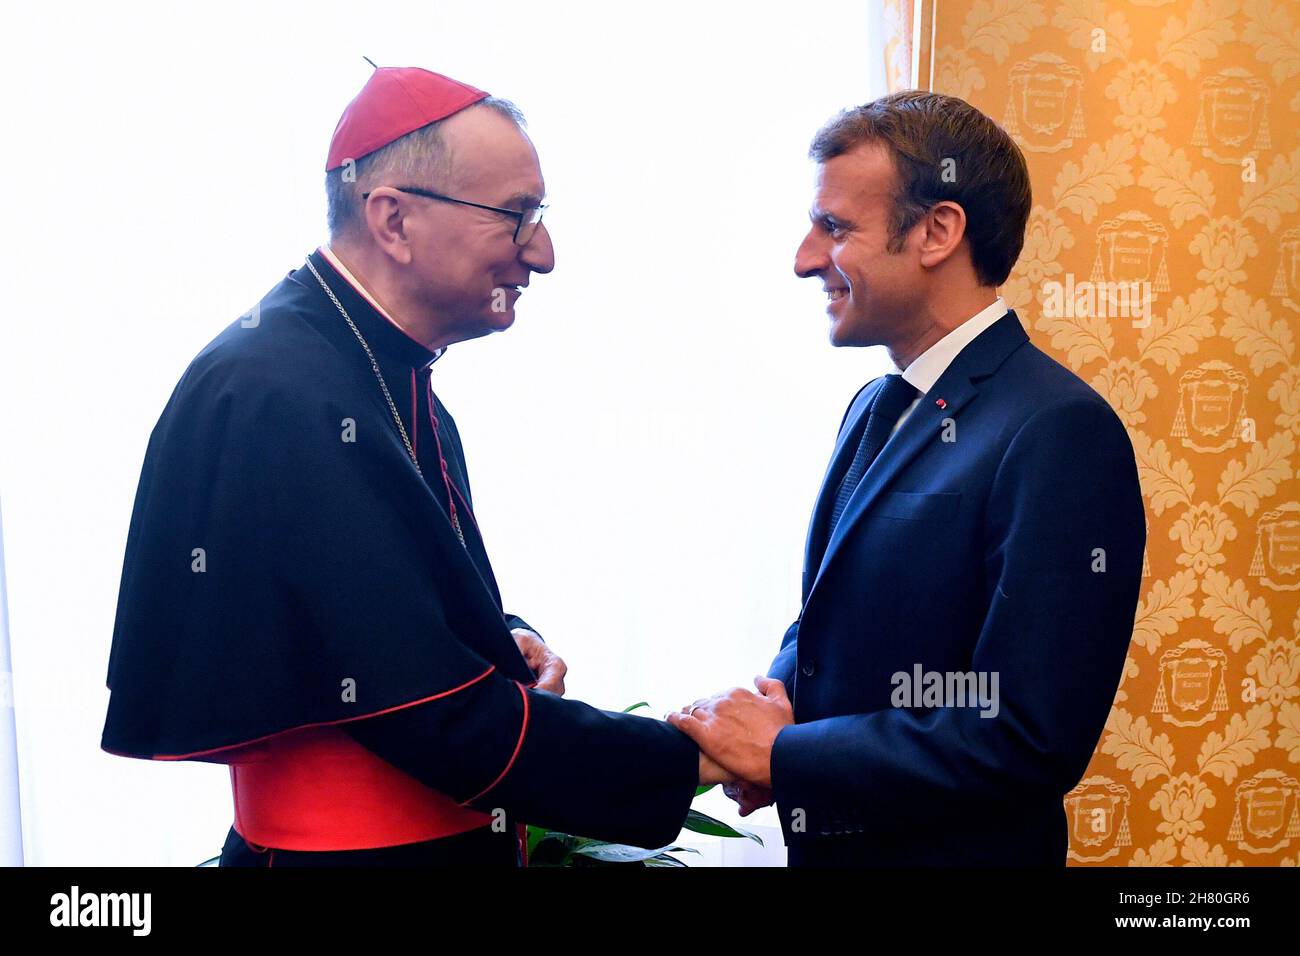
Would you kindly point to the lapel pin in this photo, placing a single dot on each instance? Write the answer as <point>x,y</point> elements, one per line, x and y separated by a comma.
<point>941,403</point>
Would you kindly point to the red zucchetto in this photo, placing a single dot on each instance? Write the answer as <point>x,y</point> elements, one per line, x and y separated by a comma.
<point>395,101</point>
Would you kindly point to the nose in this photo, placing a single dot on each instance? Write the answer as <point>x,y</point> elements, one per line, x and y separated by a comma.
<point>538,254</point>
<point>811,257</point>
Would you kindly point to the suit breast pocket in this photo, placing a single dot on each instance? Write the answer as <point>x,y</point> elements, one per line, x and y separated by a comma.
<point>916,506</point>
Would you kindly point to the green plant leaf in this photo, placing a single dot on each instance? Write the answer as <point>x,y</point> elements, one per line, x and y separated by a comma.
<point>535,836</point>
<point>698,822</point>
<point>628,710</point>
<point>664,860</point>
<point>618,853</point>
<point>550,848</point>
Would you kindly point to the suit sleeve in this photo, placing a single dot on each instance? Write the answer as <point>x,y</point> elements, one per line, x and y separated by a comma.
<point>545,760</point>
<point>1065,497</point>
<point>783,665</point>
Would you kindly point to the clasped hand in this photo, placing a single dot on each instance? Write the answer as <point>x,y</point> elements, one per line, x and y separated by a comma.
<point>543,662</point>
<point>735,732</point>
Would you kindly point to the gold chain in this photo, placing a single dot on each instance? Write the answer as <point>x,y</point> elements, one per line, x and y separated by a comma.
<point>410,450</point>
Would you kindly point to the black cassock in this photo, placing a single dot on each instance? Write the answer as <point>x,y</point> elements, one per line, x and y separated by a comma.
<point>295,600</point>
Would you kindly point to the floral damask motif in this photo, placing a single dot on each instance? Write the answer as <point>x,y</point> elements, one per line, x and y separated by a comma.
<point>1045,236</point>
<point>1195,190</point>
<point>1288,732</point>
<point>1270,29</point>
<point>993,26</point>
<point>1196,34</point>
<point>1142,92</point>
<point>1201,531</point>
<point>1160,612</point>
<point>1275,193</point>
<point>1234,610</point>
<point>1018,293</point>
<point>1180,802</point>
<point>957,72</point>
<point>1126,386</point>
<point>1275,669</point>
<point>1224,245</point>
<point>1082,19</point>
<point>1174,184</point>
<point>1286,392</point>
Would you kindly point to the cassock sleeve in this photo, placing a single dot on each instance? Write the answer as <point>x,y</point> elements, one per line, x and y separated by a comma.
<point>543,759</point>
<point>514,620</point>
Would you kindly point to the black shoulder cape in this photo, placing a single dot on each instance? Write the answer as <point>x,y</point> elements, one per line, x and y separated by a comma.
<point>272,563</point>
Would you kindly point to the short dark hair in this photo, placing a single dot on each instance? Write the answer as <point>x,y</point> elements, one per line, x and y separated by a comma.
<point>921,130</point>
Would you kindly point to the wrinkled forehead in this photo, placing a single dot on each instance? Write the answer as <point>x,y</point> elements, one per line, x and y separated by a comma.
<point>855,181</point>
<point>493,159</point>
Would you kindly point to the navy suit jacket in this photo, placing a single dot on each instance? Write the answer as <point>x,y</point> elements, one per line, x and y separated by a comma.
<point>1001,529</point>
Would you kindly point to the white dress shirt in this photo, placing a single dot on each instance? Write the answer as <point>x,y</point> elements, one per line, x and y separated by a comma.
<point>926,368</point>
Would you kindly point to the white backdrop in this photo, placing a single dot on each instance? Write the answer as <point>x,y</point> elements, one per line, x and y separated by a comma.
<point>644,444</point>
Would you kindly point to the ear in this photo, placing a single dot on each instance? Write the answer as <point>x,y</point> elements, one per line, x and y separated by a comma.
<point>385,221</point>
<point>943,229</point>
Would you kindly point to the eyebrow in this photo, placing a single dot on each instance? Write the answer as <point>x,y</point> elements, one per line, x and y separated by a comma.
<point>525,200</point>
<point>820,215</point>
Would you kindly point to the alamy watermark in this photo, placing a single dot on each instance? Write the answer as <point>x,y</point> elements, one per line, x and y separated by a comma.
<point>102,909</point>
<point>1103,299</point>
<point>922,688</point>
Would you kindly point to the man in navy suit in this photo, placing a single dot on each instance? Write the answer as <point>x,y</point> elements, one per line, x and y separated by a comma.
<point>974,557</point>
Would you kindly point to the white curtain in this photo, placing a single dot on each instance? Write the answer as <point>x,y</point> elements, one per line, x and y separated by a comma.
<point>11,824</point>
<point>644,445</point>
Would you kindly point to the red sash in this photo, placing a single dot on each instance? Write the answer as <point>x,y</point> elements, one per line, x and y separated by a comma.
<point>316,788</point>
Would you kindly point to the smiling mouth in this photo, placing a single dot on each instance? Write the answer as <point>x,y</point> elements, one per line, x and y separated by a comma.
<point>836,294</point>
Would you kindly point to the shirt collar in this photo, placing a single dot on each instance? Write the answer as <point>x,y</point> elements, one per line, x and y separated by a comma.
<point>362,291</point>
<point>926,368</point>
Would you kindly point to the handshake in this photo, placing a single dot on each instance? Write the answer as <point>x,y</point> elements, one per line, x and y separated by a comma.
<point>734,730</point>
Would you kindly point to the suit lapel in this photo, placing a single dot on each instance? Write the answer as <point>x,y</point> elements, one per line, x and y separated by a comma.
<point>956,387</point>
<point>845,447</point>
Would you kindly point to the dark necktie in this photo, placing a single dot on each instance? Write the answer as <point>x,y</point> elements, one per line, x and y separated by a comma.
<point>894,396</point>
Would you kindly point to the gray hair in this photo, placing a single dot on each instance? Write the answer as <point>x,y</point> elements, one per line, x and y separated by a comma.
<point>421,157</point>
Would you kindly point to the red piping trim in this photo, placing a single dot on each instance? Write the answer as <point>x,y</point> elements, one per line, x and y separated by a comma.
<point>323,723</point>
<point>523,728</point>
<point>451,485</point>
<point>468,510</point>
<point>452,492</point>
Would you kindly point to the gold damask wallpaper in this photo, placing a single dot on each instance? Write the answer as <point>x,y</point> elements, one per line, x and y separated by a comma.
<point>1162,265</point>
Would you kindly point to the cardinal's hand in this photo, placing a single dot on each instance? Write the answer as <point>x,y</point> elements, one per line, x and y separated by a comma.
<point>749,796</point>
<point>545,663</point>
<point>712,773</point>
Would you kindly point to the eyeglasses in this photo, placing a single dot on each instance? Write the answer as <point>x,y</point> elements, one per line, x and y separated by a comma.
<point>526,220</point>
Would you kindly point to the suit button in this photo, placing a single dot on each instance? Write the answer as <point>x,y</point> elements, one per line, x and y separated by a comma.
<point>808,669</point>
